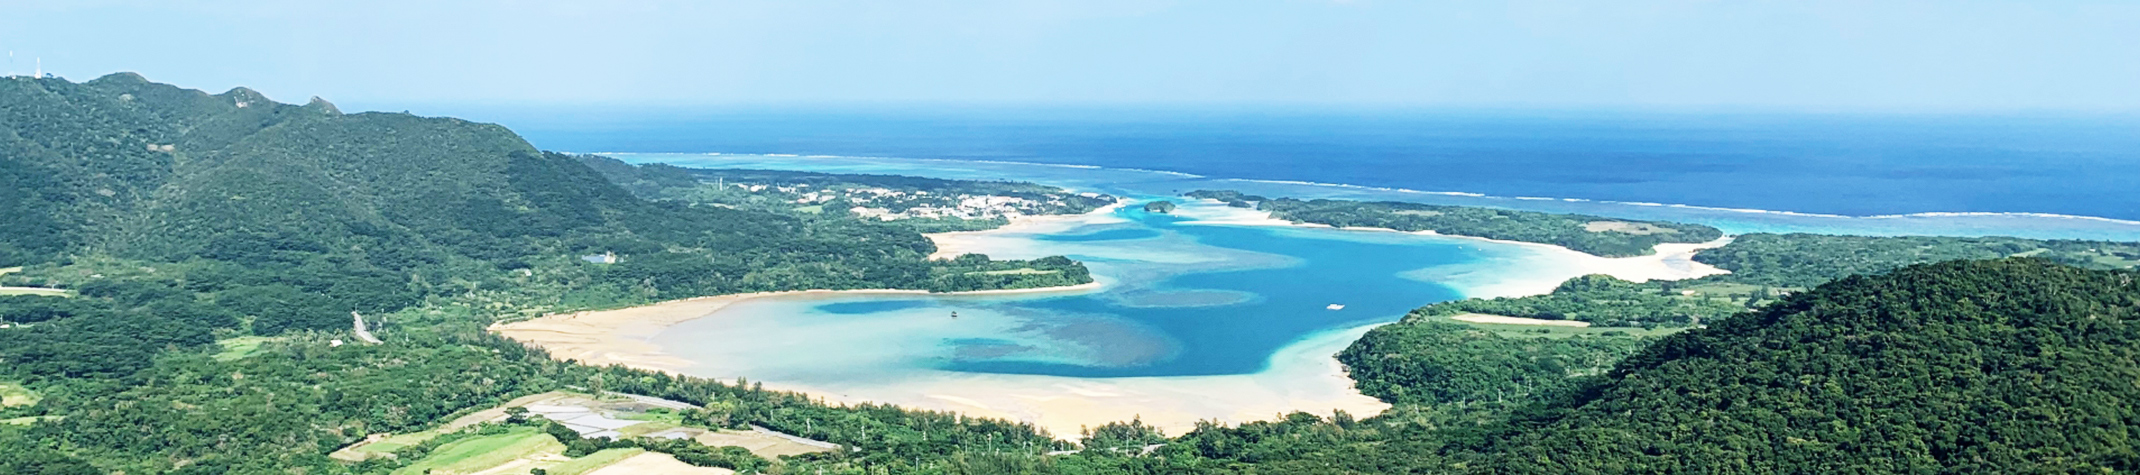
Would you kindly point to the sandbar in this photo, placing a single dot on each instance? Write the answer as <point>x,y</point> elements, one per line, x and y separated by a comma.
<point>957,243</point>
<point>1537,271</point>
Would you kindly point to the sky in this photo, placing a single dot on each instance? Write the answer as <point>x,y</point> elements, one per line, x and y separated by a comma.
<point>1820,55</point>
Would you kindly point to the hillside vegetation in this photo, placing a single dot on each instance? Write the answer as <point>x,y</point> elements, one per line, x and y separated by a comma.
<point>181,219</point>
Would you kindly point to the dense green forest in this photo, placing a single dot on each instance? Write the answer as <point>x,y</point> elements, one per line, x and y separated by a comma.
<point>2008,366</point>
<point>1598,235</point>
<point>215,243</point>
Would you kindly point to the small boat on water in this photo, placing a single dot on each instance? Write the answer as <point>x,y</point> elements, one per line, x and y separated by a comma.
<point>1335,307</point>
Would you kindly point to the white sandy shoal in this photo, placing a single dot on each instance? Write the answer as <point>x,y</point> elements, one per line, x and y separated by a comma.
<point>992,241</point>
<point>1537,270</point>
<point>1301,377</point>
<point>625,336</point>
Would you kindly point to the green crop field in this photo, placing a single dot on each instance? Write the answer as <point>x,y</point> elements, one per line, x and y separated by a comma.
<point>483,452</point>
<point>240,347</point>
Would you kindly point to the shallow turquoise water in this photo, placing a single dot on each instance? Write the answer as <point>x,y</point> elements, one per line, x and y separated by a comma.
<point>1215,300</point>
<point>1231,321</point>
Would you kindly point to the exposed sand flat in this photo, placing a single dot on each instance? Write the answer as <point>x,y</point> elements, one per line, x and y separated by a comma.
<point>1302,377</point>
<point>1484,318</point>
<point>1545,268</point>
<point>954,244</point>
<point>656,463</point>
<point>622,336</point>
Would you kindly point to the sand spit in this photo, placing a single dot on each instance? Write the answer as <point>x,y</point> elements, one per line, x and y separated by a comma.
<point>954,244</point>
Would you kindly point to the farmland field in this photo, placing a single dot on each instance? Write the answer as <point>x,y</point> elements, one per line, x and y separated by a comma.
<point>484,452</point>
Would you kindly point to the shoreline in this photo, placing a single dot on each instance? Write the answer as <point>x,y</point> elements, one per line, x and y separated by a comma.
<point>1303,375</point>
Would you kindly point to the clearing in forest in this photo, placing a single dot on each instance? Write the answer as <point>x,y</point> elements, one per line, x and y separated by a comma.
<point>13,394</point>
<point>1626,227</point>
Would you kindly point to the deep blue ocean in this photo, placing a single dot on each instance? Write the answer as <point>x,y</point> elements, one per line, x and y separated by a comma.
<point>1855,165</point>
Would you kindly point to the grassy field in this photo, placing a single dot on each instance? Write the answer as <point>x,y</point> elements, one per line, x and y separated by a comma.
<point>388,445</point>
<point>35,291</point>
<point>30,290</point>
<point>240,347</point>
<point>13,394</point>
<point>23,421</point>
<point>591,462</point>
<point>484,452</point>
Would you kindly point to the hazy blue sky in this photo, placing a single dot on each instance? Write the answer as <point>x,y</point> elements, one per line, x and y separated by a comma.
<point>1797,54</point>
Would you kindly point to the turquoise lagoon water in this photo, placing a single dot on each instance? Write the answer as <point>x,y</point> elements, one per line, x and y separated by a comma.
<point>1184,298</point>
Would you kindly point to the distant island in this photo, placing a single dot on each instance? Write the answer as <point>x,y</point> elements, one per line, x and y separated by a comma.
<point>1161,206</point>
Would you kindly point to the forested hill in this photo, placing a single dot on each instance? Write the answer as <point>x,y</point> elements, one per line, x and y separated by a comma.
<point>2011,366</point>
<point>124,166</point>
<point>194,260</point>
<point>376,211</point>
